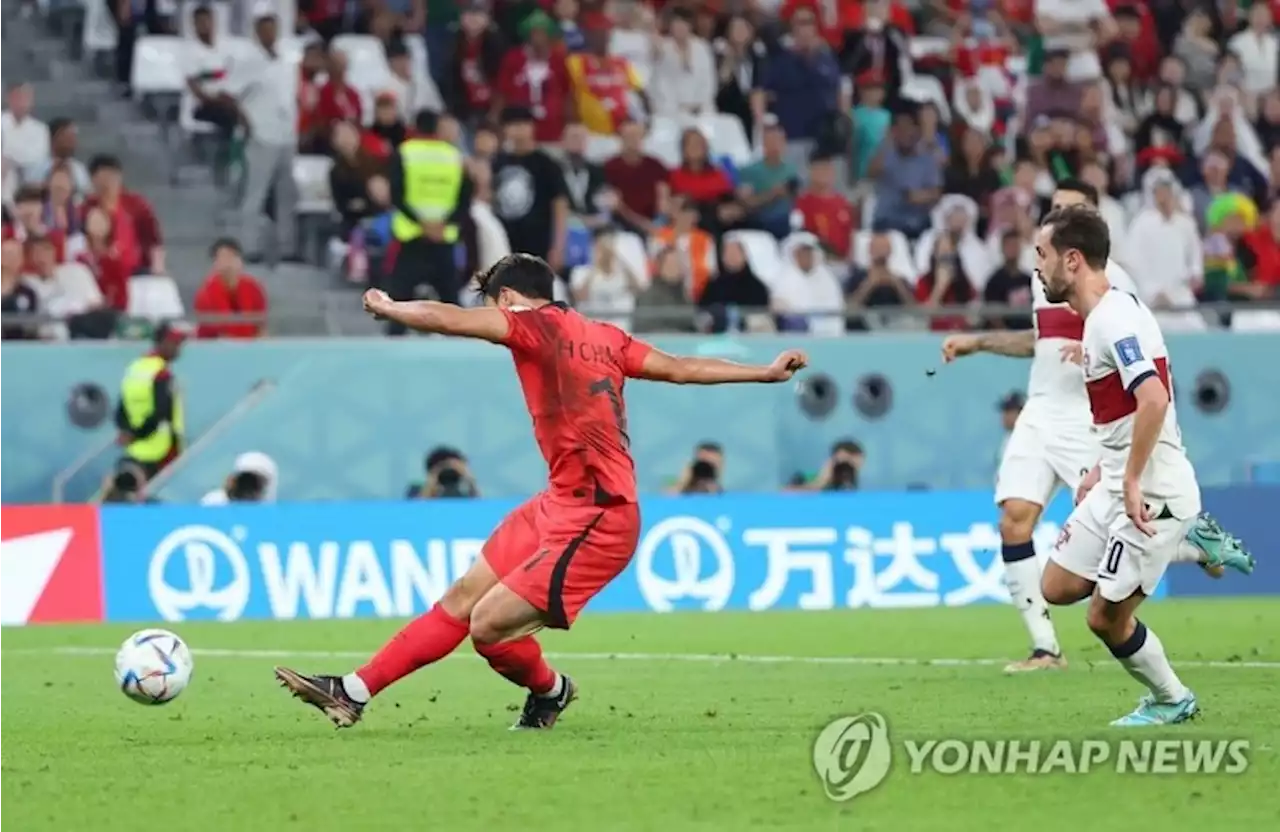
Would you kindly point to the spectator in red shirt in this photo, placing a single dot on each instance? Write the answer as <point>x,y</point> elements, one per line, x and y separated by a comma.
<point>100,256</point>
<point>827,214</point>
<point>135,228</point>
<point>706,185</point>
<point>639,179</point>
<point>229,291</point>
<point>388,129</point>
<point>1262,245</point>
<point>337,100</point>
<point>310,77</point>
<point>1137,33</point>
<point>534,77</point>
<point>29,222</point>
<point>477,62</point>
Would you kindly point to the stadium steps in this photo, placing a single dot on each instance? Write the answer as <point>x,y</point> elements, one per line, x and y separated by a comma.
<point>192,211</point>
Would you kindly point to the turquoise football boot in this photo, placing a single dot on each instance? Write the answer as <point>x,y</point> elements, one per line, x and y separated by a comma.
<point>1151,712</point>
<point>1221,551</point>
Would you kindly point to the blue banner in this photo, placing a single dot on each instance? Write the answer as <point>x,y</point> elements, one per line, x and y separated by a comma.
<point>750,552</point>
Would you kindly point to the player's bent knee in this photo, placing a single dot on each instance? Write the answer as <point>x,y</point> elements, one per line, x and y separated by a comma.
<point>460,599</point>
<point>1062,588</point>
<point>1018,520</point>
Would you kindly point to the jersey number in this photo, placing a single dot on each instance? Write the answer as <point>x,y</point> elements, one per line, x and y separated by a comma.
<point>1111,565</point>
<point>605,387</point>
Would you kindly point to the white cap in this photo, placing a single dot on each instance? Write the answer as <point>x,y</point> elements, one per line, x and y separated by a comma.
<point>264,8</point>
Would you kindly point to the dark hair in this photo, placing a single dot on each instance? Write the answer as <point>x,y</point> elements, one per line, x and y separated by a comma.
<point>29,193</point>
<point>713,447</point>
<point>427,122</point>
<point>225,242</point>
<point>104,161</point>
<point>59,124</point>
<point>441,454</point>
<point>527,274</point>
<point>1079,186</point>
<point>847,446</point>
<point>1083,229</point>
<point>203,10</point>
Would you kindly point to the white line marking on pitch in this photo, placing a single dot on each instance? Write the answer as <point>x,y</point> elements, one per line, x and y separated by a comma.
<point>715,658</point>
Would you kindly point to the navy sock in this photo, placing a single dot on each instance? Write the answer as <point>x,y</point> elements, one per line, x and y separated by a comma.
<point>1014,552</point>
<point>1132,644</point>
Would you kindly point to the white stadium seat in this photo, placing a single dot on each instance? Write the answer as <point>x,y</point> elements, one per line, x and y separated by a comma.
<point>366,61</point>
<point>157,65</point>
<point>763,254</point>
<point>154,297</point>
<point>491,237</point>
<point>726,137</point>
<point>1255,320</point>
<point>630,248</point>
<point>601,149</point>
<point>925,46</point>
<point>311,176</point>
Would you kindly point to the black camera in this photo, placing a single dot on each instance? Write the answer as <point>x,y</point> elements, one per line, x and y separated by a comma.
<point>126,484</point>
<point>844,477</point>
<point>447,474</point>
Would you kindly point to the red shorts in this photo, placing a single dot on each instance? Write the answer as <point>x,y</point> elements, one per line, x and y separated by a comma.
<point>558,557</point>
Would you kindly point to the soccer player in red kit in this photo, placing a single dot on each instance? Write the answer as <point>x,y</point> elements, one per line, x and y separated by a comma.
<point>554,553</point>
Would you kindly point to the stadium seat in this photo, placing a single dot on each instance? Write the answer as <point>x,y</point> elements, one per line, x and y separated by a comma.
<point>726,136</point>
<point>157,65</point>
<point>601,149</point>
<point>417,46</point>
<point>763,254</point>
<point>154,297</point>
<point>491,237</point>
<point>925,46</point>
<point>900,261</point>
<point>366,61</point>
<point>926,89</point>
<point>630,248</point>
<point>311,176</point>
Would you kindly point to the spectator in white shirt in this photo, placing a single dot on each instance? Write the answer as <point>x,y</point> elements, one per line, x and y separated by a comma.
<point>264,84</point>
<point>206,66</point>
<point>684,72</point>
<point>1166,261</point>
<point>65,290</point>
<point>1079,26</point>
<point>63,139</point>
<point>632,38</point>
<point>607,288</point>
<point>807,288</point>
<point>25,137</point>
<point>1258,48</point>
<point>414,89</point>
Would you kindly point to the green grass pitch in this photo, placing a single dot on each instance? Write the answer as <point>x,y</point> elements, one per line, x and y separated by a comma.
<point>663,738</point>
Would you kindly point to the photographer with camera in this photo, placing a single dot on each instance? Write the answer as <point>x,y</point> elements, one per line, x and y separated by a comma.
<point>126,485</point>
<point>702,474</point>
<point>839,473</point>
<point>253,479</point>
<point>448,477</point>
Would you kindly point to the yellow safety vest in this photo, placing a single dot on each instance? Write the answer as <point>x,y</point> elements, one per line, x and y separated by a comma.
<point>432,176</point>
<point>137,393</point>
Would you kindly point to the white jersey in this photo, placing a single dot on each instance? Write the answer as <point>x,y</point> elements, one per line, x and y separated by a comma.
<point>1056,390</point>
<point>1123,347</point>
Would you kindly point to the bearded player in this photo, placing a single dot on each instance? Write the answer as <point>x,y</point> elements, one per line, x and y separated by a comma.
<point>1051,443</point>
<point>554,553</point>
<point>1141,509</point>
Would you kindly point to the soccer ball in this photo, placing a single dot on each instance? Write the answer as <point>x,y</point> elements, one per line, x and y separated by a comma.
<point>153,667</point>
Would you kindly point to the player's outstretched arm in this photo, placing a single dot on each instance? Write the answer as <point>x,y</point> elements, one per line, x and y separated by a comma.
<point>1018,344</point>
<point>487,323</point>
<point>687,369</point>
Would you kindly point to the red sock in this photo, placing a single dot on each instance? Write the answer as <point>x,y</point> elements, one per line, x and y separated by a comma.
<point>426,639</point>
<point>520,662</point>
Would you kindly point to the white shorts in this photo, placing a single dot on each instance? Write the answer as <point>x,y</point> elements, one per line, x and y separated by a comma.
<point>1100,543</point>
<point>1039,456</point>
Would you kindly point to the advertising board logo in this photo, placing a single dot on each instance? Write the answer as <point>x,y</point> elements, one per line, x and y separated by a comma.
<point>671,565</point>
<point>216,574</point>
<point>852,755</point>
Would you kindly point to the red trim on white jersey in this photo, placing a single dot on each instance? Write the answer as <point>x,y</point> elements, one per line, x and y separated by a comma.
<point>1059,322</point>
<point>1110,401</point>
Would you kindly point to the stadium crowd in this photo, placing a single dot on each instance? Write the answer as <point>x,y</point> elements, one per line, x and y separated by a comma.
<point>706,165</point>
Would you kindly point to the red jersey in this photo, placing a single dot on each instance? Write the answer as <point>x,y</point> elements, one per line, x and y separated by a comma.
<point>831,218</point>
<point>572,371</point>
<point>542,86</point>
